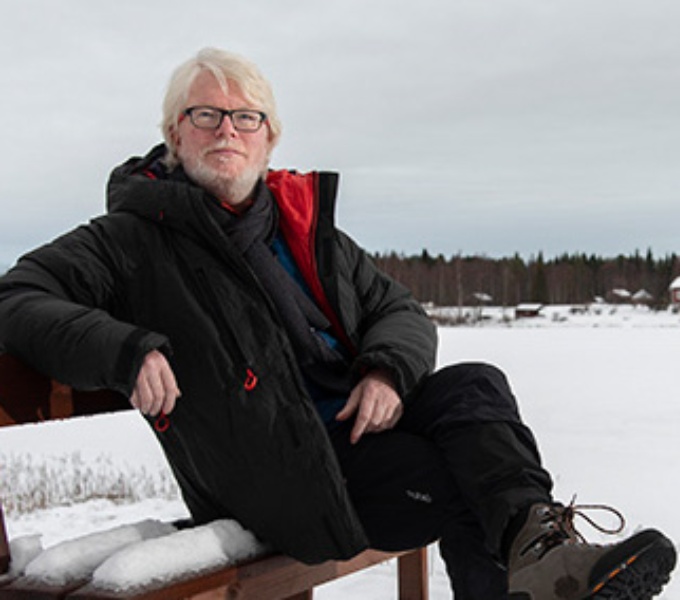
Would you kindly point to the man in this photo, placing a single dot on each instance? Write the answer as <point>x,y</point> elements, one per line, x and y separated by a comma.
<point>288,380</point>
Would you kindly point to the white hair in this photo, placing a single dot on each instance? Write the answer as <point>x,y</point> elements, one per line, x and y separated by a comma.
<point>226,67</point>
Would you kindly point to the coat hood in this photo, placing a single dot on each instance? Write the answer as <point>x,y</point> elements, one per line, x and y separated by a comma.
<point>143,186</point>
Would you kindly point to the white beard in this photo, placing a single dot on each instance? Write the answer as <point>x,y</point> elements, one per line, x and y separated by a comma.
<point>232,190</point>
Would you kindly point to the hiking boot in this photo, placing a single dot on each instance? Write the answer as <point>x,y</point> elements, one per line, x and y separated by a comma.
<point>550,560</point>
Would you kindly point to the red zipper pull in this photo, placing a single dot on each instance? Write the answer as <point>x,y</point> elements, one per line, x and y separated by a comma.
<point>162,423</point>
<point>251,380</point>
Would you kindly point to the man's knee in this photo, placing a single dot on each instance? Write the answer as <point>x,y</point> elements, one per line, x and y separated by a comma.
<point>469,391</point>
<point>472,371</point>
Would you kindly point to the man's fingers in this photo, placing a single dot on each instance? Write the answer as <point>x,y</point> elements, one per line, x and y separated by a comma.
<point>170,388</point>
<point>370,418</point>
<point>141,396</point>
<point>395,416</point>
<point>376,404</point>
<point>350,406</point>
<point>134,399</point>
<point>374,416</point>
<point>157,395</point>
<point>361,425</point>
<point>168,404</point>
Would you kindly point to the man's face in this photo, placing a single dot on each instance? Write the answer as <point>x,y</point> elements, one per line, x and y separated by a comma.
<point>226,162</point>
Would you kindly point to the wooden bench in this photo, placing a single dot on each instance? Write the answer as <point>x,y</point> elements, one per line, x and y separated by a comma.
<point>28,397</point>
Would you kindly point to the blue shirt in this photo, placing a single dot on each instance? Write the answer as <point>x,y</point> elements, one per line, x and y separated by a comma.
<point>327,404</point>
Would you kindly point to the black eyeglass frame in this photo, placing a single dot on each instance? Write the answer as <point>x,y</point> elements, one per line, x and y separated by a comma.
<point>187,112</point>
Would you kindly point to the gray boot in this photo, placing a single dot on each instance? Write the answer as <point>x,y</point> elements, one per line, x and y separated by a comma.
<point>549,560</point>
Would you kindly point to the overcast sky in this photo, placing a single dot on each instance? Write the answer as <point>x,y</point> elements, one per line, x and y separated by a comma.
<point>479,126</point>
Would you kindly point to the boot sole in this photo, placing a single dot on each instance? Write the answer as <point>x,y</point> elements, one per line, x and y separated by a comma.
<point>639,577</point>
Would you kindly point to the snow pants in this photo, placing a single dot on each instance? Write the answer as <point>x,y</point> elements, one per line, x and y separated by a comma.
<point>457,467</point>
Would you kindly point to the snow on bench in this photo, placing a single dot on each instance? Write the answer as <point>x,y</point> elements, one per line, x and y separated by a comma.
<point>136,556</point>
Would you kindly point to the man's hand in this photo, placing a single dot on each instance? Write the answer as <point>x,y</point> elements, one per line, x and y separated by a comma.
<point>156,389</point>
<point>376,404</point>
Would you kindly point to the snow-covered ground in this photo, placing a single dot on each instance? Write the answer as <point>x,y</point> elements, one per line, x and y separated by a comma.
<point>599,389</point>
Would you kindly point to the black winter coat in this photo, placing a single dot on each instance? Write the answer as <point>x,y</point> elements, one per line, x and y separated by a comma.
<point>158,272</point>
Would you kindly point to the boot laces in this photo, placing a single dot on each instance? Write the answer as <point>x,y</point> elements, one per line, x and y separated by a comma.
<point>557,525</point>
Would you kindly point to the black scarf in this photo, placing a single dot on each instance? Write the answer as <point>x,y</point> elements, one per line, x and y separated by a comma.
<point>253,233</point>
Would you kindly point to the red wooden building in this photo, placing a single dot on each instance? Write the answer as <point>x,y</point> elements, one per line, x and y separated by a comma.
<point>674,290</point>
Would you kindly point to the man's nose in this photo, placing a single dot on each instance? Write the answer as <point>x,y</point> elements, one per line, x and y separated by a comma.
<point>226,128</point>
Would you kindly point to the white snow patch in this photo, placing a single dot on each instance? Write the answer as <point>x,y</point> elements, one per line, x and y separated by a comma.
<point>178,555</point>
<point>75,560</point>
<point>22,550</point>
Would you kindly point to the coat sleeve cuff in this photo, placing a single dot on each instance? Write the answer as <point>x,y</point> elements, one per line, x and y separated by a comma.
<point>131,356</point>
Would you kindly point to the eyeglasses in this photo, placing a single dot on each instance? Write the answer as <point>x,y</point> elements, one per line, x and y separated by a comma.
<point>209,117</point>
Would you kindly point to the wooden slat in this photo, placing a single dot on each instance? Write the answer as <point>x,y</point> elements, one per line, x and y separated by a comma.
<point>271,578</point>
<point>308,595</point>
<point>27,396</point>
<point>24,393</point>
<point>61,401</point>
<point>294,577</point>
<point>413,576</point>
<point>4,545</point>
<point>25,589</point>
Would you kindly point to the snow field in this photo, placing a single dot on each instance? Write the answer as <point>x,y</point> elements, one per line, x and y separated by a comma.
<point>600,395</point>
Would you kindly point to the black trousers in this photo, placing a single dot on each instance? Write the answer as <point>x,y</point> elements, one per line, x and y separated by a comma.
<point>458,466</point>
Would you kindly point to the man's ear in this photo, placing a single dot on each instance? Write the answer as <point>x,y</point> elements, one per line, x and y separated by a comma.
<point>271,143</point>
<point>174,136</point>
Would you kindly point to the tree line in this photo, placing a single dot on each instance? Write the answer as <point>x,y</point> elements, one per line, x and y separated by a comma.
<point>566,279</point>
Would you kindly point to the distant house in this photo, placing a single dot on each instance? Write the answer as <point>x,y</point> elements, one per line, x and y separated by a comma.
<point>523,311</point>
<point>619,296</point>
<point>642,297</point>
<point>674,290</point>
<point>482,298</point>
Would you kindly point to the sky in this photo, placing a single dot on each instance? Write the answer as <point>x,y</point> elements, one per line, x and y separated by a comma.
<point>461,126</point>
